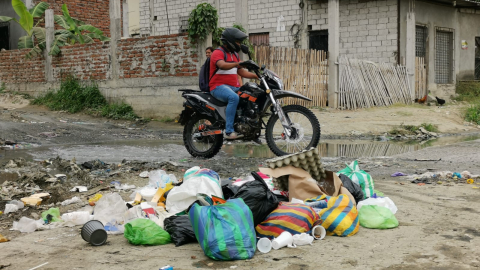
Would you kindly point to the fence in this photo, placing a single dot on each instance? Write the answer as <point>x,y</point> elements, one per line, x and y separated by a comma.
<point>420,78</point>
<point>302,71</point>
<point>365,84</point>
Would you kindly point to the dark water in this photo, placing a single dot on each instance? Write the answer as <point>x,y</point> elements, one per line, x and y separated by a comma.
<point>147,150</point>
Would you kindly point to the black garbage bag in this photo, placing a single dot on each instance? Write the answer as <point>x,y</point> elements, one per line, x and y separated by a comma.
<point>258,197</point>
<point>180,230</point>
<point>229,191</point>
<point>352,187</point>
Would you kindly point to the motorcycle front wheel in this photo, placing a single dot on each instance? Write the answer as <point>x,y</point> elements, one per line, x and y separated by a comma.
<point>305,131</point>
<point>198,145</point>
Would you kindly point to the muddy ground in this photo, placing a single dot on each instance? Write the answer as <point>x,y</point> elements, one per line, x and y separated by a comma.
<point>438,221</point>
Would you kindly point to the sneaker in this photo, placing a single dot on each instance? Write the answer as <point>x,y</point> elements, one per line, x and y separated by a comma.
<point>233,136</point>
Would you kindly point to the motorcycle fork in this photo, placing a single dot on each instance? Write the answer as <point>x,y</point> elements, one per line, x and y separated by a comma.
<point>279,111</point>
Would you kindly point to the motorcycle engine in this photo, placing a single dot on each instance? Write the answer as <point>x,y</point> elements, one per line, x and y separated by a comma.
<point>248,114</point>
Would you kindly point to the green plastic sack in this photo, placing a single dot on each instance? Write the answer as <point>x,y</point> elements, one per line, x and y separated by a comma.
<point>377,217</point>
<point>361,178</point>
<point>54,212</point>
<point>145,232</point>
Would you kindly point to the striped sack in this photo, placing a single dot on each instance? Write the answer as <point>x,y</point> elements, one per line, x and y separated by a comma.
<point>340,218</point>
<point>225,231</point>
<point>362,178</point>
<point>295,218</point>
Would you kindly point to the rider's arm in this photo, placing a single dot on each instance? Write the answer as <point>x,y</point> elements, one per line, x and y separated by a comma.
<point>221,64</point>
<point>245,74</point>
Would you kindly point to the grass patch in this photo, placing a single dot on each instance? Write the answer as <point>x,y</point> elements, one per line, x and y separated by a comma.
<point>2,87</point>
<point>412,129</point>
<point>166,119</point>
<point>75,96</point>
<point>470,92</point>
<point>472,114</point>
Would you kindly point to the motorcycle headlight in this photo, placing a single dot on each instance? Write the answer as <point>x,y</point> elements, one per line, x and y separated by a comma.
<point>279,81</point>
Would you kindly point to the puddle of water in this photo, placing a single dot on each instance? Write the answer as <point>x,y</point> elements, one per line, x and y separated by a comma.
<point>157,151</point>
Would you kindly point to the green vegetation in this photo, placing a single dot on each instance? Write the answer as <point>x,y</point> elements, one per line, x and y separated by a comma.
<point>166,119</point>
<point>74,31</point>
<point>412,129</point>
<point>2,87</point>
<point>202,21</point>
<point>75,96</point>
<point>470,92</point>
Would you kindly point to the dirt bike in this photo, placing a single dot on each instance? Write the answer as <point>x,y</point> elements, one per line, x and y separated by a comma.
<point>204,117</point>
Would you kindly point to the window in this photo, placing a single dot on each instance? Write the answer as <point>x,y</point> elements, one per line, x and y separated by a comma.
<point>318,40</point>
<point>183,24</point>
<point>259,39</point>
<point>444,56</point>
<point>4,35</point>
<point>421,34</point>
<point>477,58</point>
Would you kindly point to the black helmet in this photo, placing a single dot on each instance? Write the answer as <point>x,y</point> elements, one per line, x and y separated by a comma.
<point>230,35</point>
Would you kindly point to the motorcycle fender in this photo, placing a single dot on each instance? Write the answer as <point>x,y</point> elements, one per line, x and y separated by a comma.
<point>279,94</point>
<point>283,94</point>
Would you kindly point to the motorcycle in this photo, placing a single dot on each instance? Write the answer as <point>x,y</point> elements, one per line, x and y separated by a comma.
<point>204,117</point>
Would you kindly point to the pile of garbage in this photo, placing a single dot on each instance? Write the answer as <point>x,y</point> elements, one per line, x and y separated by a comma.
<point>290,202</point>
<point>440,177</point>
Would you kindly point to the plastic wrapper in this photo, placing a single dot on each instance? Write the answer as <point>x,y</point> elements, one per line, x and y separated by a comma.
<point>384,202</point>
<point>377,217</point>
<point>51,215</point>
<point>110,208</point>
<point>145,232</point>
<point>225,231</point>
<point>360,177</point>
<point>258,197</point>
<point>76,218</point>
<point>180,230</point>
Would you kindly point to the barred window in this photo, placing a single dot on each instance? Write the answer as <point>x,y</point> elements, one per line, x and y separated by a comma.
<point>259,39</point>
<point>444,57</point>
<point>421,34</point>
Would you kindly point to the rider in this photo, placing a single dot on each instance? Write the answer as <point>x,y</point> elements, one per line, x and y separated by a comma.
<point>224,84</point>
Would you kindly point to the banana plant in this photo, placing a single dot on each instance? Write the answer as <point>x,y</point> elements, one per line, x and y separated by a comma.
<point>79,31</point>
<point>26,21</point>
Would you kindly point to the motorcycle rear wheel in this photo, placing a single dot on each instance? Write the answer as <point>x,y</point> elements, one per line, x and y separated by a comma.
<point>205,146</point>
<point>305,131</point>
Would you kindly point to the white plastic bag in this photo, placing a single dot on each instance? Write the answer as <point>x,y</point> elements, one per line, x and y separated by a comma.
<point>71,201</point>
<point>17,203</point>
<point>26,225</point>
<point>76,218</point>
<point>110,207</point>
<point>385,202</point>
<point>10,208</point>
<point>196,181</point>
<point>302,239</point>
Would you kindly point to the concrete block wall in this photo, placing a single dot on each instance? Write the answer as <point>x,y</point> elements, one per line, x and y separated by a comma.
<point>263,16</point>
<point>15,68</point>
<point>226,16</point>
<point>369,30</point>
<point>157,56</point>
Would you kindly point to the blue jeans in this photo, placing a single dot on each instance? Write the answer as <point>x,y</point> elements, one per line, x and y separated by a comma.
<point>227,93</point>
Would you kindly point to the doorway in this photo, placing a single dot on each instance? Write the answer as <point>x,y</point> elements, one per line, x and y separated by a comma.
<point>5,35</point>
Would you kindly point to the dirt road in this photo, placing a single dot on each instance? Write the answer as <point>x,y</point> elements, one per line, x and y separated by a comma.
<point>438,222</point>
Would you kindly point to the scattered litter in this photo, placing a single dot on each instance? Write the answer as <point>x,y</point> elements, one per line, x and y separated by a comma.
<point>3,239</point>
<point>144,174</point>
<point>71,201</point>
<point>79,189</point>
<point>35,199</point>
<point>36,267</point>
<point>398,174</point>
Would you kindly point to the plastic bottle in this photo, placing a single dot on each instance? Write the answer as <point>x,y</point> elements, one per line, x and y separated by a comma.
<point>94,199</point>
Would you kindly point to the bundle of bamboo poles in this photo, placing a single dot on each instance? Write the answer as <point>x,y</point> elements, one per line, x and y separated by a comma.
<point>365,84</point>
<point>302,71</point>
<point>420,78</point>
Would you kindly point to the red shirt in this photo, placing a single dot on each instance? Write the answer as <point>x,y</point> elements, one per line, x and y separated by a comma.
<point>228,77</point>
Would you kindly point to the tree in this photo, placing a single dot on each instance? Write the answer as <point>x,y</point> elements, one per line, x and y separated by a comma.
<point>26,21</point>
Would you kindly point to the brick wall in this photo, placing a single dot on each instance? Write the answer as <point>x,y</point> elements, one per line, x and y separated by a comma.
<point>15,68</point>
<point>157,56</point>
<point>86,61</point>
<point>94,12</point>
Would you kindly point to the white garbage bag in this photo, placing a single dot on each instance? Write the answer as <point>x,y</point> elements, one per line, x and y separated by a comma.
<point>110,207</point>
<point>195,181</point>
<point>385,202</point>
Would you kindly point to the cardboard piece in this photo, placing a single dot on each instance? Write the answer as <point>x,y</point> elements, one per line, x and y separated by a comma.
<point>302,186</point>
<point>35,199</point>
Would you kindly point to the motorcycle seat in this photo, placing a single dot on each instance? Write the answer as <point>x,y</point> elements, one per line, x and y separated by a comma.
<point>210,98</point>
